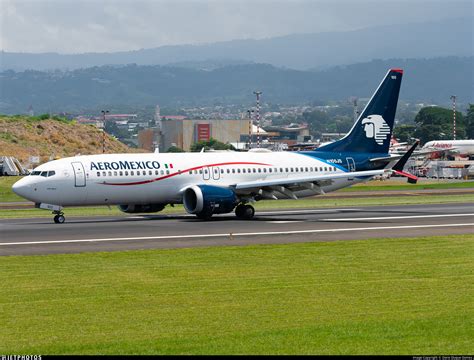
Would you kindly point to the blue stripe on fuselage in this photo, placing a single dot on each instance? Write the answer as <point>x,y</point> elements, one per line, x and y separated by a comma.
<point>315,156</point>
<point>362,161</point>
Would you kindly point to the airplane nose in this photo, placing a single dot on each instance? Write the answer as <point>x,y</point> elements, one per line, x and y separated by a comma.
<point>21,188</point>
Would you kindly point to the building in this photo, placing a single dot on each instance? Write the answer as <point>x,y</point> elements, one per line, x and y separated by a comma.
<point>289,135</point>
<point>148,139</point>
<point>185,132</point>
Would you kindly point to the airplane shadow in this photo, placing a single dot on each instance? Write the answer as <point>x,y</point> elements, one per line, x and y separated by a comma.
<point>280,216</point>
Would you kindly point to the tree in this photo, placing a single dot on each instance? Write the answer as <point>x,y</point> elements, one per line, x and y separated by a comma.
<point>317,122</point>
<point>211,144</point>
<point>174,149</point>
<point>470,122</point>
<point>436,123</point>
<point>404,133</point>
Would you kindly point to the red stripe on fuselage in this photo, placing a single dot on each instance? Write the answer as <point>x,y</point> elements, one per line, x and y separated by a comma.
<point>183,171</point>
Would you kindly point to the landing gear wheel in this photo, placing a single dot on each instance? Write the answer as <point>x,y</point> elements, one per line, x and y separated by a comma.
<point>246,212</point>
<point>59,219</point>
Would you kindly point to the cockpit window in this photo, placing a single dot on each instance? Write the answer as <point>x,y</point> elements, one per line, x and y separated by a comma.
<point>43,173</point>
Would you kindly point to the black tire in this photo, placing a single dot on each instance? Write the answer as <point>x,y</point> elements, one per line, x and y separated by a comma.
<point>245,212</point>
<point>249,212</point>
<point>239,211</point>
<point>59,219</point>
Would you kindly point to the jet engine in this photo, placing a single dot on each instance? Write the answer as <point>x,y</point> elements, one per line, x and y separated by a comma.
<point>141,208</point>
<point>206,200</point>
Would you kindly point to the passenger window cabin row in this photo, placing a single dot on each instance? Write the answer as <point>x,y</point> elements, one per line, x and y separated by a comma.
<point>269,170</point>
<point>132,173</point>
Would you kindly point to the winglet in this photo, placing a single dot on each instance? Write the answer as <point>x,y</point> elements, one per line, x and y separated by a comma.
<point>398,167</point>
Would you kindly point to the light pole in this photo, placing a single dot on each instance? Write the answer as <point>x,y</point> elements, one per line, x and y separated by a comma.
<point>103,129</point>
<point>249,112</point>
<point>258,93</point>
<point>453,97</point>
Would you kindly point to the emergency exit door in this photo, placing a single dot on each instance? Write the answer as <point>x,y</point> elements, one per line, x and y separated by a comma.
<point>351,166</point>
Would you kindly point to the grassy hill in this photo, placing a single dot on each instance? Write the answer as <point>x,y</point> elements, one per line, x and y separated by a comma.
<point>24,136</point>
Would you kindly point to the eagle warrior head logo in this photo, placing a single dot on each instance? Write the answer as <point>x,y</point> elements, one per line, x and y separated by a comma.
<point>376,128</point>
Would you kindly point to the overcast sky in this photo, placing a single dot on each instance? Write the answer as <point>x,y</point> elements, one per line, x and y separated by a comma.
<point>76,26</point>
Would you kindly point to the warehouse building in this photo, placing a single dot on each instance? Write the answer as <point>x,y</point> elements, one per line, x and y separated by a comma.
<point>185,132</point>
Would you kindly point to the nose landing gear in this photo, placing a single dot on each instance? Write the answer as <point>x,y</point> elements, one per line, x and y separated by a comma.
<point>59,217</point>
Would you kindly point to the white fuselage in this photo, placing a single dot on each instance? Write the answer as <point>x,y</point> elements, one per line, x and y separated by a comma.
<point>461,147</point>
<point>161,178</point>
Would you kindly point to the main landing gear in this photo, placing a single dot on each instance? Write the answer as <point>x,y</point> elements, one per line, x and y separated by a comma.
<point>59,217</point>
<point>245,212</point>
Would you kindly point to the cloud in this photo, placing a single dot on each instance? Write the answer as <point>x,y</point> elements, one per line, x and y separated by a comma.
<point>76,26</point>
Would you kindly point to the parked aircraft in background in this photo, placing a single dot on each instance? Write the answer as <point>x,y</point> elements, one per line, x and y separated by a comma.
<point>219,182</point>
<point>439,148</point>
<point>397,147</point>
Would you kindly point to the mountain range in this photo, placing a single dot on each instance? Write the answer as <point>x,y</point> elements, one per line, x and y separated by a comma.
<point>448,37</point>
<point>425,80</point>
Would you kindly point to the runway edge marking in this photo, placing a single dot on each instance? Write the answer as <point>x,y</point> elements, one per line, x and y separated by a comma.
<point>398,217</point>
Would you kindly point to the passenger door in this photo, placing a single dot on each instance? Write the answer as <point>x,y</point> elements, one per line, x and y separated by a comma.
<point>79,174</point>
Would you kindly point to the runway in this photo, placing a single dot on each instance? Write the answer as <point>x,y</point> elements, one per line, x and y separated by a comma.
<point>90,234</point>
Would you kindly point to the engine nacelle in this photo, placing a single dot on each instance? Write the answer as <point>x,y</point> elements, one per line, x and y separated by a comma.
<point>205,200</point>
<point>141,208</point>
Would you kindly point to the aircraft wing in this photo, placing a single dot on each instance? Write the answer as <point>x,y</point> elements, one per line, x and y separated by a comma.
<point>271,188</point>
<point>387,158</point>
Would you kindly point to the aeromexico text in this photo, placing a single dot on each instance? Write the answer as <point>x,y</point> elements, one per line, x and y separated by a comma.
<point>125,165</point>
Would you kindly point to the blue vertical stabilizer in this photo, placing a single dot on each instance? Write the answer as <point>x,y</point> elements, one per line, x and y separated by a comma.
<point>373,129</point>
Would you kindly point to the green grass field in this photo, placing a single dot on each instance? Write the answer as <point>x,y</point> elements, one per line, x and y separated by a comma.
<point>376,185</point>
<point>379,296</point>
<point>6,193</point>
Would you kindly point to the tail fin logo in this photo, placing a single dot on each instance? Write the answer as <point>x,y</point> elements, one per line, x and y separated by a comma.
<point>376,128</point>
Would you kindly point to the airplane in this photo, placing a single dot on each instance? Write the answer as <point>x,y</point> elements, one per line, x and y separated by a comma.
<point>209,183</point>
<point>397,147</point>
<point>437,148</point>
